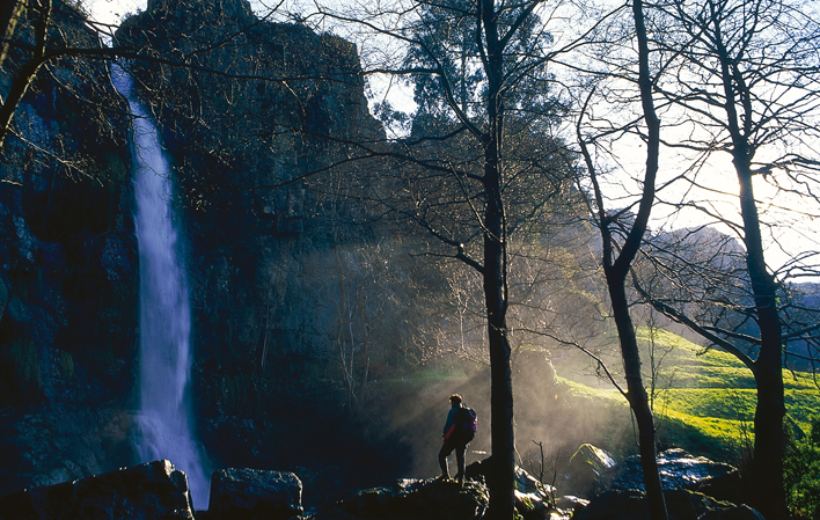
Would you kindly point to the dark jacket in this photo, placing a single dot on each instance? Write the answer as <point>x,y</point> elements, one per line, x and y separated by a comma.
<point>450,424</point>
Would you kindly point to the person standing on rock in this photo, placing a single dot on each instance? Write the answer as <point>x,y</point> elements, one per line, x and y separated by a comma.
<point>459,430</point>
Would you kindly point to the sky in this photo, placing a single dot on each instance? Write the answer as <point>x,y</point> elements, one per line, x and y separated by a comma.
<point>797,229</point>
<point>111,11</point>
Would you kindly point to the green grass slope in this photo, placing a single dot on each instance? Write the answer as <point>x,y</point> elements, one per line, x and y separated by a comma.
<point>705,398</point>
<point>715,392</point>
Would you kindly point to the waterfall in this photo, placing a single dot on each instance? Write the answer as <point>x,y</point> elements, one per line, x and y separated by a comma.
<point>165,315</point>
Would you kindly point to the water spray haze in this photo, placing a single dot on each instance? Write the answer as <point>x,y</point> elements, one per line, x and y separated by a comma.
<point>165,315</point>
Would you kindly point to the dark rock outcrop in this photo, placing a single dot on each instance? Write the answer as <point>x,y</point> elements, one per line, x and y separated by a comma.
<point>414,499</point>
<point>67,267</point>
<point>152,490</point>
<point>742,512</point>
<point>681,505</point>
<point>680,470</point>
<point>253,493</point>
<point>570,503</point>
<point>533,499</point>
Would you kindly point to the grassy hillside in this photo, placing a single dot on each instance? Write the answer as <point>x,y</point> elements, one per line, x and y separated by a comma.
<point>705,398</point>
<point>705,403</point>
<point>714,391</point>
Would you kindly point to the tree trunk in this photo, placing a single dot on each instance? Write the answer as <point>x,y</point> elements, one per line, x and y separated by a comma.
<point>636,393</point>
<point>500,479</point>
<point>767,490</point>
<point>617,271</point>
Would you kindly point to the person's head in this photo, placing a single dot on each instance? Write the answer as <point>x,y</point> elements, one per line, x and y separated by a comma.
<point>455,400</point>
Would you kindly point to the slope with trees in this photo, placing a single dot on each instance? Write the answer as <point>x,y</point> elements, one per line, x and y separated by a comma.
<point>745,80</point>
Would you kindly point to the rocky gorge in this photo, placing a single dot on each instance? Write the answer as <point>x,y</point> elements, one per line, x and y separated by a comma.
<point>325,332</point>
<point>696,487</point>
<point>280,270</point>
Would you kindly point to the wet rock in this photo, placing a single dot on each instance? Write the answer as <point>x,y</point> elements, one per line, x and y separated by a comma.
<point>680,504</point>
<point>255,493</point>
<point>533,500</point>
<point>524,482</point>
<point>413,499</point>
<point>152,490</point>
<point>570,503</point>
<point>741,512</point>
<point>681,470</point>
<point>589,472</point>
<point>532,506</point>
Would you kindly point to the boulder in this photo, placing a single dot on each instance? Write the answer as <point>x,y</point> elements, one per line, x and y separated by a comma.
<point>255,493</point>
<point>741,512</point>
<point>532,506</point>
<point>432,499</point>
<point>371,501</point>
<point>681,470</point>
<point>570,503</point>
<point>681,505</point>
<point>151,490</point>
<point>533,499</point>
<point>726,486</point>
<point>524,482</point>
<point>589,471</point>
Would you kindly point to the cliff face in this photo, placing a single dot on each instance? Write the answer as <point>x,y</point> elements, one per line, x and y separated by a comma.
<point>293,301</point>
<point>297,305</point>
<point>241,106</point>
<point>67,268</point>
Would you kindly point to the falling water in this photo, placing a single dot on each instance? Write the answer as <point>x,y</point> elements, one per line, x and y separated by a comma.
<point>165,314</point>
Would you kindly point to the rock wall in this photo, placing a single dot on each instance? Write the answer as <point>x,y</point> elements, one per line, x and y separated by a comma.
<point>297,302</point>
<point>67,269</point>
<point>300,301</point>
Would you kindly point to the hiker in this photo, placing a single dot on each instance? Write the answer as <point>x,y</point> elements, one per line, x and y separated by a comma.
<point>459,430</point>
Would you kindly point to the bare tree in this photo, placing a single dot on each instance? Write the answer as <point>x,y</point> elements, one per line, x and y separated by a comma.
<point>622,235</point>
<point>23,74</point>
<point>479,71</point>
<point>745,77</point>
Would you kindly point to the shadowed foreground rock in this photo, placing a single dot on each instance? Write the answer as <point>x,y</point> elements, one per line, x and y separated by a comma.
<point>155,490</point>
<point>415,499</point>
<point>435,499</point>
<point>534,500</point>
<point>681,504</point>
<point>253,493</point>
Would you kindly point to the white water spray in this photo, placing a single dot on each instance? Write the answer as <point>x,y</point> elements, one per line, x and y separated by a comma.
<point>165,314</point>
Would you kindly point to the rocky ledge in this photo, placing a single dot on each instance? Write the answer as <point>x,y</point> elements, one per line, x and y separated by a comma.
<point>152,490</point>
<point>696,489</point>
